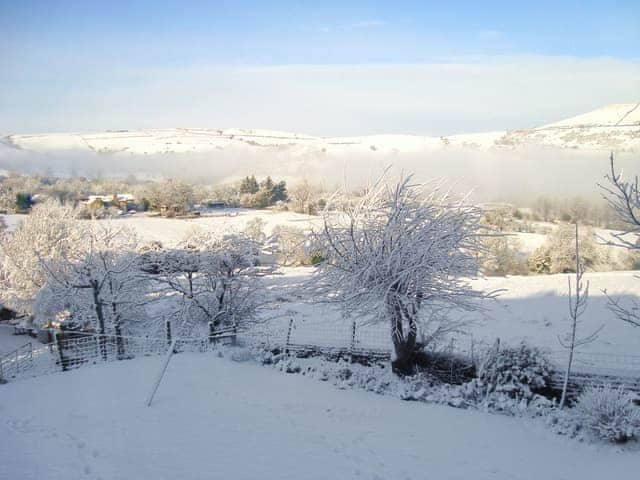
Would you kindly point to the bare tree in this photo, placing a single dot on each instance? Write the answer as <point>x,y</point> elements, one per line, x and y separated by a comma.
<point>99,285</point>
<point>624,198</point>
<point>217,279</point>
<point>577,305</point>
<point>402,255</point>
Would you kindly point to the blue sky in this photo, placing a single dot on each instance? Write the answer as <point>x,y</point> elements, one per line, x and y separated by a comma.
<point>59,56</point>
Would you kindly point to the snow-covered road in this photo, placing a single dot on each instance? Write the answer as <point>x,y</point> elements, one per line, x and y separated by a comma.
<point>217,419</point>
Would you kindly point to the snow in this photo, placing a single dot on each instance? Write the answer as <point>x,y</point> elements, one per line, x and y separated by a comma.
<point>611,115</point>
<point>214,418</point>
<point>9,341</point>
<point>12,221</point>
<point>535,308</point>
<point>529,242</point>
<point>604,128</point>
<point>169,231</point>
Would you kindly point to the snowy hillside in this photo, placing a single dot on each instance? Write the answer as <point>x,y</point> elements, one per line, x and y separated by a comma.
<point>614,126</point>
<point>213,418</point>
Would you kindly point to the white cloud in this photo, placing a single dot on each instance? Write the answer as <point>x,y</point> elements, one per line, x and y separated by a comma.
<point>456,96</point>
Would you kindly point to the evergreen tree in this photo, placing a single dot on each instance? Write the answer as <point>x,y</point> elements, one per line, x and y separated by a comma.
<point>280,192</point>
<point>249,185</point>
<point>267,184</point>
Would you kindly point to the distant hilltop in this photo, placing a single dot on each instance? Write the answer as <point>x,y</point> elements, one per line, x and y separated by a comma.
<point>614,127</point>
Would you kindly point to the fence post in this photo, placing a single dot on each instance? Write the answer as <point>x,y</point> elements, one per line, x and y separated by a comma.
<point>451,363</point>
<point>63,359</point>
<point>286,346</point>
<point>211,332</point>
<point>30,355</point>
<point>353,340</point>
<point>168,328</point>
<point>120,348</point>
<point>235,334</point>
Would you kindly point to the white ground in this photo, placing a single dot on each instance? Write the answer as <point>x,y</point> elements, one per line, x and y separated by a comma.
<point>169,231</point>
<point>214,418</point>
<point>531,308</point>
<point>9,341</point>
<point>613,126</point>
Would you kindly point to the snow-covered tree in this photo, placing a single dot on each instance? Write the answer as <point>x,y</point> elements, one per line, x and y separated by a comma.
<point>303,197</point>
<point>7,199</point>
<point>254,230</point>
<point>401,254</point>
<point>99,285</point>
<point>558,253</point>
<point>217,278</point>
<point>49,233</point>
<point>170,193</point>
<point>623,196</point>
<point>294,245</point>
<point>249,185</point>
<point>503,256</point>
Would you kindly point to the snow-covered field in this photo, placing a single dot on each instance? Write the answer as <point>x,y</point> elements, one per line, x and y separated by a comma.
<point>9,341</point>
<point>214,418</point>
<point>528,308</point>
<point>533,308</point>
<point>169,231</point>
<point>612,126</point>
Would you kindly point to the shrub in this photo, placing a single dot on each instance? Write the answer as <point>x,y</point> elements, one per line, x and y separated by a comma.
<point>558,253</point>
<point>518,372</point>
<point>294,246</point>
<point>23,201</point>
<point>540,261</point>
<point>609,413</point>
<point>502,257</point>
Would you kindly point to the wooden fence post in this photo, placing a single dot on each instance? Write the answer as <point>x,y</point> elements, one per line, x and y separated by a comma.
<point>168,329</point>
<point>211,333</point>
<point>286,347</point>
<point>235,334</point>
<point>352,346</point>
<point>59,342</point>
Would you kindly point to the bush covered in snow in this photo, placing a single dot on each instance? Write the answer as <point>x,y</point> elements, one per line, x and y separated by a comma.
<point>502,257</point>
<point>609,413</point>
<point>558,253</point>
<point>516,372</point>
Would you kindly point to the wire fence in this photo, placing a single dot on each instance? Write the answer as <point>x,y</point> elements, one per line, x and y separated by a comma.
<point>362,339</point>
<point>72,351</point>
<point>313,336</point>
<point>15,363</point>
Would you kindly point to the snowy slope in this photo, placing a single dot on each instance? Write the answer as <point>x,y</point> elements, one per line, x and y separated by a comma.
<point>621,114</point>
<point>530,308</point>
<point>213,418</point>
<point>614,126</point>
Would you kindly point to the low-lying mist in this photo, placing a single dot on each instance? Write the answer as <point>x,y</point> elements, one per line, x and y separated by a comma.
<point>518,175</point>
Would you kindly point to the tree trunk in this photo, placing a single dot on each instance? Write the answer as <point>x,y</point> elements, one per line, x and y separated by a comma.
<point>119,340</point>
<point>404,347</point>
<point>97,302</point>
